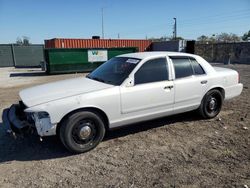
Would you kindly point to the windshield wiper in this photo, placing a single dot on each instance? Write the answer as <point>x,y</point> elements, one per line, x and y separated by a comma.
<point>98,79</point>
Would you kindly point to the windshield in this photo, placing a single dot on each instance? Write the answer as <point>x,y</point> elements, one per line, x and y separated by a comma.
<point>114,71</point>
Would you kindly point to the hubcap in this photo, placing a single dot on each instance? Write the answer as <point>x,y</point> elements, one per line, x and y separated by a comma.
<point>212,104</point>
<point>84,132</point>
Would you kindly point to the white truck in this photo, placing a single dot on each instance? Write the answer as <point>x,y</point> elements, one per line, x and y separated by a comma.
<point>126,89</point>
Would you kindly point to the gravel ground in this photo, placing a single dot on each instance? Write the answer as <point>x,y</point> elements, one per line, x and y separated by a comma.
<point>176,151</point>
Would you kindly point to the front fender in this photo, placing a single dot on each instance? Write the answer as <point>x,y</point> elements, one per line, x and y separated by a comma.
<point>108,102</point>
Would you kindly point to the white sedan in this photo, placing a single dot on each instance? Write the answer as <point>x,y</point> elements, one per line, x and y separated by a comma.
<point>126,89</point>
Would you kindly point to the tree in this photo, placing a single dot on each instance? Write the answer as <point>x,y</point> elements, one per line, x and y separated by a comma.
<point>19,41</point>
<point>163,38</point>
<point>235,38</point>
<point>203,38</point>
<point>206,39</point>
<point>178,38</point>
<point>26,41</point>
<point>223,37</point>
<point>246,36</point>
<point>23,41</point>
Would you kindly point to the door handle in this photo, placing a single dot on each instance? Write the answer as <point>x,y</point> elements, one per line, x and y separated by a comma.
<point>203,81</point>
<point>168,87</point>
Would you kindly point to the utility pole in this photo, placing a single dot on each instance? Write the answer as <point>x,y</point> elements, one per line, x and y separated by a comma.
<point>175,29</point>
<point>102,26</point>
<point>118,36</point>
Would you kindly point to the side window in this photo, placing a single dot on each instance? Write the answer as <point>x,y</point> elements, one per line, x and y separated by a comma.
<point>198,70</point>
<point>182,67</point>
<point>152,71</point>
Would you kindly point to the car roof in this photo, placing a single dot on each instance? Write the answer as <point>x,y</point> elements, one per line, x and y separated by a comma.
<point>144,55</point>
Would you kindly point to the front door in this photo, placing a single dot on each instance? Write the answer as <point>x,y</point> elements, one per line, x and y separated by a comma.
<point>152,92</point>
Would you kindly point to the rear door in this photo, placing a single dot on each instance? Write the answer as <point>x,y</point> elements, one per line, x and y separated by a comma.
<point>190,83</point>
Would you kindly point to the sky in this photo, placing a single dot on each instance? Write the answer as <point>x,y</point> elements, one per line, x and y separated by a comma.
<point>130,19</point>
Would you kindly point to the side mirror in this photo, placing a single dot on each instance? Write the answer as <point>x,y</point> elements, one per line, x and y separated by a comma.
<point>129,82</point>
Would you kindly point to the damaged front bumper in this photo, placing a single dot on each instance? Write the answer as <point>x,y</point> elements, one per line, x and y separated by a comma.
<point>16,120</point>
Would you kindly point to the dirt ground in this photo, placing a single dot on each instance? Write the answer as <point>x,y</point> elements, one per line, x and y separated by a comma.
<point>176,151</point>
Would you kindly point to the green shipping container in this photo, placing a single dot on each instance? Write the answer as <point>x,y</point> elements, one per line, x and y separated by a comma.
<point>68,60</point>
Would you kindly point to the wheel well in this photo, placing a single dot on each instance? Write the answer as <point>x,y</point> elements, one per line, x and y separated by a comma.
<point>91,109</point>
<point>220,89</point>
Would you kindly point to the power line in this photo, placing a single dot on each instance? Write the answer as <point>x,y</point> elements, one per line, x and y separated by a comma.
<point>231,13</point>
<point>207,20</point>
<point>212,22</point>
<point>202,29</point>
<point>218,19</point>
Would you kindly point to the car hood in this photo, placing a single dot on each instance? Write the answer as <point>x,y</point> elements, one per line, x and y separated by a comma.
<point>60,89</point>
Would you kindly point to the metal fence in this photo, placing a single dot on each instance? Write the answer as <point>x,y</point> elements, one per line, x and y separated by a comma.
<point>21,56</point>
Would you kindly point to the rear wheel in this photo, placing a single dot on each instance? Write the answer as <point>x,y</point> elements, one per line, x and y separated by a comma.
<point>82,131</point>
<point>211,104</point>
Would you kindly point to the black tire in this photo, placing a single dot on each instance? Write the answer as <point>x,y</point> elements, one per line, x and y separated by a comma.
<point>82,131</point>
<point>211,104</point>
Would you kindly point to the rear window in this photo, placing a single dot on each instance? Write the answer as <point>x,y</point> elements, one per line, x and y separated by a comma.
<point>186,66</point>
<point>198,70</point>
<point>182,67</point>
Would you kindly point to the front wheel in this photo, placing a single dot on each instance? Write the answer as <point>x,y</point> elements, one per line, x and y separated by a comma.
<point>82,131</point>
<point>211,104</point>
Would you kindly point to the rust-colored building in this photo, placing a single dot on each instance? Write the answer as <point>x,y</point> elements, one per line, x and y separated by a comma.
<point>142,45</point>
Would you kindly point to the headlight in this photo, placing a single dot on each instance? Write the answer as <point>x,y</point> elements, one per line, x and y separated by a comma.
<point>40,115</point>
<point>43,123</point>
